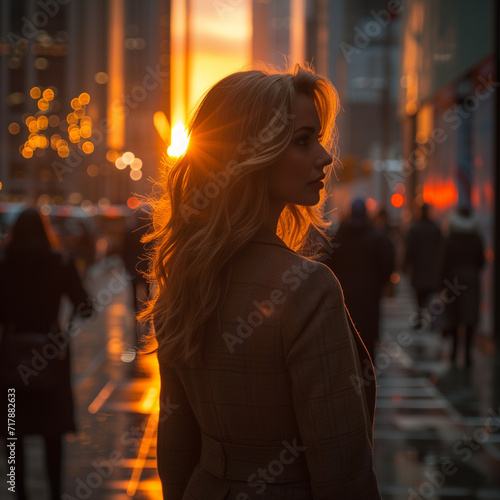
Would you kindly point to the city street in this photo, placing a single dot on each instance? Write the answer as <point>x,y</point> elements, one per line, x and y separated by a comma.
<point>436,435</point>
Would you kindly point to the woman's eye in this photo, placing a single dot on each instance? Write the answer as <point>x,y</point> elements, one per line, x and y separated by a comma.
<point>302,141</point>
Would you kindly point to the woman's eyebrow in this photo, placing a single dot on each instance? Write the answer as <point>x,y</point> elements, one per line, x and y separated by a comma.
<point>306,128</point>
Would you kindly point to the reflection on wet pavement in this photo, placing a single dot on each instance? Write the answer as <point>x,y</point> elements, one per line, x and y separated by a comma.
<point>436,433</point>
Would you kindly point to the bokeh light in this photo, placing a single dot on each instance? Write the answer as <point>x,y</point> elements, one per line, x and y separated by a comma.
<point>14,128</point>
<point>84,98</point>
<point>48,94</point>
<point>135,175</point>
<point>397,200</point>
<point>136,164</point>
<point>35,93</point>
<point>87,147</point>
<point>120,164</point>
<point>128,157</point>
<point>133,202</point>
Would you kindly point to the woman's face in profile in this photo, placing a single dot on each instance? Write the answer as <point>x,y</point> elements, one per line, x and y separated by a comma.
<point>297,175</point>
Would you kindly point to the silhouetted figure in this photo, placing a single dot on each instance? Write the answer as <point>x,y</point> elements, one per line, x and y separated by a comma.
<point>363,260</point>
<point>34,356</point>
<point>463,260</point>
<point>422,258</point>
<point>134,255</point>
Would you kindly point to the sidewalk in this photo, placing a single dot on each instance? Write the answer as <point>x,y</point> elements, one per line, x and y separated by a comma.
<point>437,427</point>
<point>436,430</point>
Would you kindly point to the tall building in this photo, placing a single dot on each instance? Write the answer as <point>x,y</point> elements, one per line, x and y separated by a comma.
<point>80,83</point>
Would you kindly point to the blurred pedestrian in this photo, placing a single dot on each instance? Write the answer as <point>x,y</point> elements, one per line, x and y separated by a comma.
<point>463,261</point>
<point>34,356</point>
<point>135,259</point>
<point>266,389</point>
<point>421,262</point>
<point>363,259</point>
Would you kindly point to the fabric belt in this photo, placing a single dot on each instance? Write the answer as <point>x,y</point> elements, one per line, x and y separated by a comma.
<point>284,464</point>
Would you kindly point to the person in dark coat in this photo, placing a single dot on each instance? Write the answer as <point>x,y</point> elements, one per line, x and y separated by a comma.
<point>136,264</point>
<point>363,260</point>
<point>463,260</point>
<point>34,355</point>
<point>421,262</point>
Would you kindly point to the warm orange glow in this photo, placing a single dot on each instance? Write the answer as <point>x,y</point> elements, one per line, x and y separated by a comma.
<point>135,175</point>
<point>84,98</point>
<point>217,46</point>
<point>79,113</point>
<point>14,128</point>
<point>395,278</point>
<point>180,140</point>
<point>102,396</point>
<point>297,30</point>
<point>116,91</point>
<point>162,126</point>
<point>112,155</point>
<point>63,151</point>
<point>128,157</point>
<point>35,93</point>
<point>397,200</point>
<point>87,147</point>
<point>75,103</point>
<point>133,203</point>
<point>42,122</point>
<point>371,204</point>
<point>48,94</point>
<point>178,60</point>
<point>120,164</point>
<point>27,152</point>
<point>411,108</point>
<point>43,104</point>
<point>72,119</point>
<point>136,164</point>
<point>440,195</point>
<point>85,131</point>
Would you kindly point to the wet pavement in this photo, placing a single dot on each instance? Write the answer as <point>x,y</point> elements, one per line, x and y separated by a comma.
<point>437,432</point>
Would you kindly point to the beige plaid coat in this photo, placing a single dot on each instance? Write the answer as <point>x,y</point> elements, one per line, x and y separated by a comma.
<point>282,405</point>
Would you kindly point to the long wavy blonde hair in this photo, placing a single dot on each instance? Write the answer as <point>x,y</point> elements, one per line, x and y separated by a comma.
<point>215,197</point>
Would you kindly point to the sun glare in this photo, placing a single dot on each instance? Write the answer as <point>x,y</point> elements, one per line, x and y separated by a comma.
<point>179,140</point>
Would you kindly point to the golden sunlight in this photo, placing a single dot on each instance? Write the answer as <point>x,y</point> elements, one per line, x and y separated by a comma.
<point>180,140</point>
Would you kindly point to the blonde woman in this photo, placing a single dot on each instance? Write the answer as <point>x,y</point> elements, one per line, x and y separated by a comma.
<point>264,389</point>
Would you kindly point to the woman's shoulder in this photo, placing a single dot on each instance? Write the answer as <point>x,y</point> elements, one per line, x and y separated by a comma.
<point>280,267</point>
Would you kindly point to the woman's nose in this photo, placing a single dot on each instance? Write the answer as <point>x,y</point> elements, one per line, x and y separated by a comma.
<point>324,158</point>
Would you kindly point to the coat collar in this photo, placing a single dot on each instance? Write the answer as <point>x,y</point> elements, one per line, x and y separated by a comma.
<point>267,236</point>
